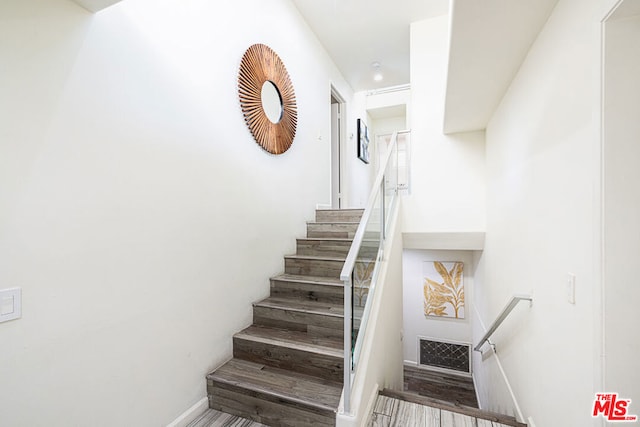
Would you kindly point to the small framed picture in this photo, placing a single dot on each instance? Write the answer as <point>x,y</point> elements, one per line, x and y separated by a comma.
<point>363,141</point>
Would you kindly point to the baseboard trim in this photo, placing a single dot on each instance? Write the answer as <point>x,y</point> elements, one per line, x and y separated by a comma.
<point>191,414</point>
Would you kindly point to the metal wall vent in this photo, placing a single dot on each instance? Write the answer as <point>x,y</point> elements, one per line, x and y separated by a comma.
<point>445,355</point>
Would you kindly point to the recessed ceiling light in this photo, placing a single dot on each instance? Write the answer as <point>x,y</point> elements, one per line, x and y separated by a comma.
<point>377,74</point>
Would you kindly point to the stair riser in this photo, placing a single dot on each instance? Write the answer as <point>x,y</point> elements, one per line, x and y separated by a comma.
<point>307,291</point>
<point>314,324</point>
<point>329,248</point>
<point>335,230</point>
<point>263,408</point>
<point>300,361</point>
<point>332,248</point>
<point>339,215</point>
<point>313,267</point>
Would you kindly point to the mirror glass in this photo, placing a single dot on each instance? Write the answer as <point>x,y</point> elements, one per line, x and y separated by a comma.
<point>271,101</point>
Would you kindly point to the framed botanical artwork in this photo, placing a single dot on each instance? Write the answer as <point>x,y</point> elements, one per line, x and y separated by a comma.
<point>443,289</point>
<point>363,141</point>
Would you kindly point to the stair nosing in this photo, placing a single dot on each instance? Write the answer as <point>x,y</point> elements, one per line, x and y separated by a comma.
<point>324,239</point>
<point>312,280</point>
<point>310,348</point>
<point>295,309</point>
<point>315,257</point>
<point>340,210</point>
<point>333,222</point>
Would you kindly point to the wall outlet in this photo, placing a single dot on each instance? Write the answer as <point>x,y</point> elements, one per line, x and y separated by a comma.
<point>10,304</point>
<point>571,288</point>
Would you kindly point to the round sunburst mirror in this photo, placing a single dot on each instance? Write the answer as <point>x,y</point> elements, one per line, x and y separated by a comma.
<point>267,99</point>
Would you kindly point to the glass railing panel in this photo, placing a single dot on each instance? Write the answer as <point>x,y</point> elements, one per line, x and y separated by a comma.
<point>363,271</point>
<point>361,268</point>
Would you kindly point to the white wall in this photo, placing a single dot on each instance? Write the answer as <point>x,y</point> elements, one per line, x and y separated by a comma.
<point>415,323</point>
<point>543,223</point>
<point>137,214</point>
<point>447,171</point>
<point>622,206</point>
<point>359,175</point>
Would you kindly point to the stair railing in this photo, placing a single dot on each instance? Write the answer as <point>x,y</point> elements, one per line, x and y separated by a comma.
<point>360,270</point>
<point>501,317</point>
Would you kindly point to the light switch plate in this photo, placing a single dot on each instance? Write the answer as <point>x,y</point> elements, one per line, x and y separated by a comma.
<point>10,304</point>
<point>571,288</point>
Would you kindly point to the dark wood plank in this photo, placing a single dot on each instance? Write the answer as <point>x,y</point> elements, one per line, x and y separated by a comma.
<point>448,406</point>
<point>255,379</point>
<point>309,316</point>
<point>339,215</point>
<point>291,350</point>
<point>306,265</point>
<point>443,386</point>
<point>214,418</point>
<point>323,247</point>
<point>344,230</point>
<point>284,286</point>
<point>268,412</point>
<point>313,307</point>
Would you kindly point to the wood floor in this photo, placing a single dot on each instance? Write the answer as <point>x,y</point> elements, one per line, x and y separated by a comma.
<point>391,412</point>
<point>213,418</point>
<point>442,386</point>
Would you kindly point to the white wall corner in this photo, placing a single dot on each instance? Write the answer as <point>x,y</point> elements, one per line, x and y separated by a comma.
<point>191,414</point>
<point>96,5</point>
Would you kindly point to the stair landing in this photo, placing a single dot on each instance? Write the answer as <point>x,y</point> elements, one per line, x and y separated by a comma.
<point>390,411</point>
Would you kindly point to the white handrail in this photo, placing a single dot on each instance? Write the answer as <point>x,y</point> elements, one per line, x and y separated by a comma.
<point>503,315</point>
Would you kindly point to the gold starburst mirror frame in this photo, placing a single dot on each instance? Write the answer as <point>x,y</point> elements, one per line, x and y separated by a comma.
<point>267,99</point>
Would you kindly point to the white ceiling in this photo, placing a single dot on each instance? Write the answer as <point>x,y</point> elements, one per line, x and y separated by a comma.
<point>489,41</point>
<point>357,33</point>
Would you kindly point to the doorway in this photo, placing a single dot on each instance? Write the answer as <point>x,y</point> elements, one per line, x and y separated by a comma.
<point>337,138</point>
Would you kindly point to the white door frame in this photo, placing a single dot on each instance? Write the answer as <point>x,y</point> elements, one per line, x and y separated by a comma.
<point>338,138</point>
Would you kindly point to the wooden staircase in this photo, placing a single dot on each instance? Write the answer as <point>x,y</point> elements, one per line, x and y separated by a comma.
<point>287,367</point>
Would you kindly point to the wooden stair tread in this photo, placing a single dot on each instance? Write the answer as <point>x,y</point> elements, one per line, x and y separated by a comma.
<point>326,258</point>
<point>285,385</point>
<point>297,340</point>
<point>327,239</point>
<point>452,407</point>
<point>306,306</point>
<point>336,239</point>
<point>313,280</point>
<point>438,378</point>
<point>340,210</point>
<point>334,222</point>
